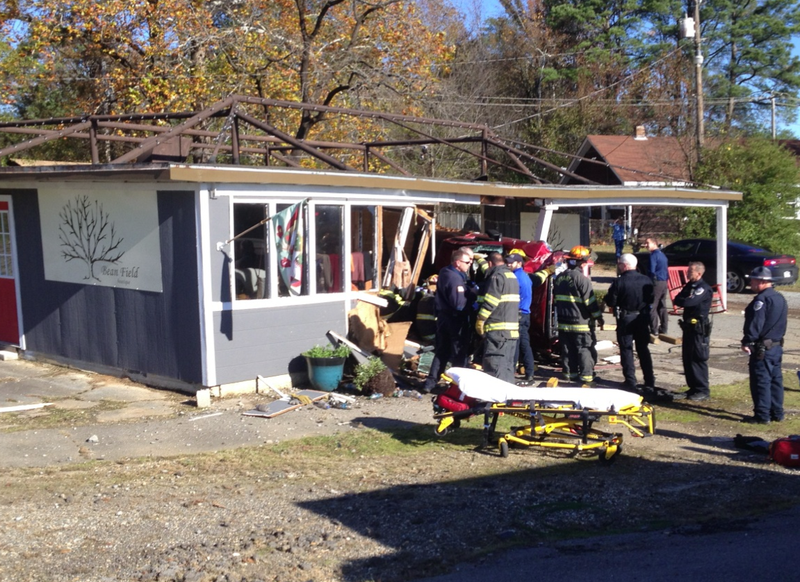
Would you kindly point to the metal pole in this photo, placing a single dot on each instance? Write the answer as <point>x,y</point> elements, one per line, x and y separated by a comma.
<point>698,79</point>
<point>774,129</point>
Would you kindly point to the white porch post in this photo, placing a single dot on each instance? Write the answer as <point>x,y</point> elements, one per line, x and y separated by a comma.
<point>544,220</point>
<point>722,252</point>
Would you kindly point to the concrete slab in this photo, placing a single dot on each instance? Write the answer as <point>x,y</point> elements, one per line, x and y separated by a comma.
<point>137,410</point>
<point>43,388</point>
<point>122,393</point>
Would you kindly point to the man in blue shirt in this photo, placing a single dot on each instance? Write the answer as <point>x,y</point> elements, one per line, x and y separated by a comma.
<point>524,354</point>
<point>659,319</point>
<point>619,235</point>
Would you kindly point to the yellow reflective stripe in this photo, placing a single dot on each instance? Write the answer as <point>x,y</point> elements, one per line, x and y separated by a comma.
<point>510,297</point>
<point>510,275</point>
<point>573,327</point>
<point>502,326</point>
<point>484,313</point>
<point>426,316</point>
<point>567,298</point>
<point>491,300</point>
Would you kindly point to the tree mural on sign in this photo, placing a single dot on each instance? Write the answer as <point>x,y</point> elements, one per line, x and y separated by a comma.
<point>87,234</point>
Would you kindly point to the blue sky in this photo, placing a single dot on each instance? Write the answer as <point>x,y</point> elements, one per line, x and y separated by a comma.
<point>488,8</point>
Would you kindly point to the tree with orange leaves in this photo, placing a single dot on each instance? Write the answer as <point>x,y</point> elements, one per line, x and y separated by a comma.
<point>116,56</point>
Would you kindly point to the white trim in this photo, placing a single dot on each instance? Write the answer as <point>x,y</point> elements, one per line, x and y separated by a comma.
<point>577,203</point>
<point>722,253</point>
<point>205,303</point>
<point>12,232</point>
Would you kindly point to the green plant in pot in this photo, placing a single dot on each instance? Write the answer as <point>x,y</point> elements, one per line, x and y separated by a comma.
<point>326,366</point>
<point>373,377</point>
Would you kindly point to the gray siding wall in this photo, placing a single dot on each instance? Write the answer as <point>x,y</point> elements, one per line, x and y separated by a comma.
<point>134,331</point>
<point>269,341</point>
<point>219,231</point>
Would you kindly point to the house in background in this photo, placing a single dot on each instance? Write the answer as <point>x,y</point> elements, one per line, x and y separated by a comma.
<point>634,161</point>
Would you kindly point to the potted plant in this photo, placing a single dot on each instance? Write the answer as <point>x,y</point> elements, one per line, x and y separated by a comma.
<point>373,377</point>
<point>326,366</point>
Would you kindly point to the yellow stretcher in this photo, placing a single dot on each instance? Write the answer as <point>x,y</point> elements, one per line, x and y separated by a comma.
<point>558,418</point>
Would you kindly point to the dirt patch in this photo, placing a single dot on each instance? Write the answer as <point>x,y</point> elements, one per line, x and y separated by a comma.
<point>379,500</point>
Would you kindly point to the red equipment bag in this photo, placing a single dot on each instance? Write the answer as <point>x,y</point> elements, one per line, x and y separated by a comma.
<point>786,451</point>
<point>454,400</point>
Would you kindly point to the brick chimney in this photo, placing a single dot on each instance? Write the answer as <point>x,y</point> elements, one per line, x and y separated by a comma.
<point>640,133</point>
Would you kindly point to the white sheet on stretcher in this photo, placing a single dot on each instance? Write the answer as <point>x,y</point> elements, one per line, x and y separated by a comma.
<point>482,386</point>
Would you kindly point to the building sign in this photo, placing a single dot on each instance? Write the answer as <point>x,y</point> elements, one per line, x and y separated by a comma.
<point>101,237</point>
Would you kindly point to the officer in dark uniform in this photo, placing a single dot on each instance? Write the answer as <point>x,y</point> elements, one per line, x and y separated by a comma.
<point>695,298</point>
<point>498,320</point>
<point>631,295</point>
<point>765,322</point>
<point>454,298</point>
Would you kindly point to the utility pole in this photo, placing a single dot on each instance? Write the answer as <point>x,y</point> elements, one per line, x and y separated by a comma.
<point>698,79</point>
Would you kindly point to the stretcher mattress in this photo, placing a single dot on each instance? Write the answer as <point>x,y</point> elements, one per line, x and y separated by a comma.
<point>482,386</point>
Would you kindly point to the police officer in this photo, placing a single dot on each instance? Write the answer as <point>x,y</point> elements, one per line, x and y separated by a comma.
<point>454,299</point>
<point>695,298</point>
<point>764,327</point>
<point>498,320</point>
<point>631,295</point>
<point>576,308</point>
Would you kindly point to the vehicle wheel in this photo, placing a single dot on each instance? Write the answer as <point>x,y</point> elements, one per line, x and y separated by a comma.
<point>735,281</point>
<point>503,448</point>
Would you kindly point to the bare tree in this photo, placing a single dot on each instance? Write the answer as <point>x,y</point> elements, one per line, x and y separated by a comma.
<point>87,234</point>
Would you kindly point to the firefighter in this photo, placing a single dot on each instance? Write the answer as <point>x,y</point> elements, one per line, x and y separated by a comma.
<point>695,298</point>
<point>577,310</point>
<point>765,322</point>
<point>498,320</point>
<point>425,319</point>
<point>454,299</point>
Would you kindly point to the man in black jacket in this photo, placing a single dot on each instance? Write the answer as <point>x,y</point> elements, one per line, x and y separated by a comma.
<point>454,298</point>
<point>695,298</point>
<point>631,296</point>
<point>765,322</point>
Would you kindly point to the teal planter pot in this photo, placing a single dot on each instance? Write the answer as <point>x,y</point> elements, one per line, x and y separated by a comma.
<point>325,373</point>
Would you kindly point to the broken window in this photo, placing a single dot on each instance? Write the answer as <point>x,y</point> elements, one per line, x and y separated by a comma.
<point>251,251</point>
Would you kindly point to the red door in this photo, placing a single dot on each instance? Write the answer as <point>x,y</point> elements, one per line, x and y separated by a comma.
<point>9,322</point>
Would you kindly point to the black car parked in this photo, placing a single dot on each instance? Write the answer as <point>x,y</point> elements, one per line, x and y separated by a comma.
<point>742,258</point>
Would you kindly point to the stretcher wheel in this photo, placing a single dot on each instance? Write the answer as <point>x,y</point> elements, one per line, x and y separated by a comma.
<point>609,454</point>
<point>446,425</point>
<point>503,448</point>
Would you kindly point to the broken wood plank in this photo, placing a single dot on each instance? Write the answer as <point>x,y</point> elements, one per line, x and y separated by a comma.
<point>23,407</point>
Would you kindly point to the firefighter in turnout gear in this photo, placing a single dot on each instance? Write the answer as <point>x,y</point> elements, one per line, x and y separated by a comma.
<point>576,311</point>
<point>498,320</point>
<point>424,326</point>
